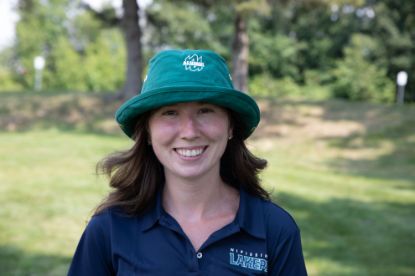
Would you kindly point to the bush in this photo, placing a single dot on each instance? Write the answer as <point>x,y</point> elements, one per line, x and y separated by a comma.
<point>7,81</point>
<point>265,85</point>
<point>357,77</point>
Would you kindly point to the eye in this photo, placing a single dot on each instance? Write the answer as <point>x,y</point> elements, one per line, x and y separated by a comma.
<point>169,112</point>
<point>204,110</point>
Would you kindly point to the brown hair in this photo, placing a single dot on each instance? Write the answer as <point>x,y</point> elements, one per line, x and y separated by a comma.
<point>136,174</point>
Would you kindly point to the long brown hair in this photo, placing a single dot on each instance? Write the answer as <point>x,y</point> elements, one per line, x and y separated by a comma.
<point>136,174</point>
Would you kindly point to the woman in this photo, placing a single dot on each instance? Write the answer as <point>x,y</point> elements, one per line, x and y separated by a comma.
<point>186,198</point>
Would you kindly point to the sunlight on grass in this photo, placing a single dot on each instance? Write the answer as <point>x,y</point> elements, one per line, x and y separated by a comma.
<point>349,222</point>
<point>50,188</point>
<point>350,190</point>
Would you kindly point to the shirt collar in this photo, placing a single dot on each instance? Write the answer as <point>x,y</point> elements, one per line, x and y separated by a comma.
<point>153,215</point>
<point>250,215</point>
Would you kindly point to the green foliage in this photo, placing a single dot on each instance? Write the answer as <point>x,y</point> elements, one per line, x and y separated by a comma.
<point>69,72</point>
<point>357,78</point>
<point>276,55</point>
<point>7,82</point>
<point>86,29</point>
<point>185,25</point>
<point>41,24</point>
<point>99,68</point>
<point>305,44</point>
<point>251,7</point>
<point>266,85</point>
<point>104,62</point>
<point>79,54</point>
<point>394,25</point>
<point>312,26</point>
<point>7,78</point>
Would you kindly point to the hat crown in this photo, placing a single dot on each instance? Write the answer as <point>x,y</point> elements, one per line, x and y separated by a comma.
<point>177,76</point>
<point>187,68</point>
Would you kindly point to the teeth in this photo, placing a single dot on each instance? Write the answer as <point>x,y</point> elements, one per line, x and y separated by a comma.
<point>189,153</point>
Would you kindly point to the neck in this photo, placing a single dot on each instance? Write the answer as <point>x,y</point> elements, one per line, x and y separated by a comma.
<point>199,198</point>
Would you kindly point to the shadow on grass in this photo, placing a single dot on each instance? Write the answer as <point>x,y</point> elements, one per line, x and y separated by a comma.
<point>372,140</point>
<point>388,133</point>
<point>14,261</point>
<point>367,126</point>
<point>357,238</point>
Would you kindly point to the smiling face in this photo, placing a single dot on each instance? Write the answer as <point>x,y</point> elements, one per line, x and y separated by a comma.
<point>189,139</point>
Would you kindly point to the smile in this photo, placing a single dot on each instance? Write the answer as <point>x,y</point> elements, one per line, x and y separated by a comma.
<point>193,152</point>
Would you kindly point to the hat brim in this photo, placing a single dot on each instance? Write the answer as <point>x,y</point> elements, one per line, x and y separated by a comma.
<point>234,100</point>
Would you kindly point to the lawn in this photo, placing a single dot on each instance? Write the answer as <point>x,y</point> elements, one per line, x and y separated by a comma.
<point>345,171</point>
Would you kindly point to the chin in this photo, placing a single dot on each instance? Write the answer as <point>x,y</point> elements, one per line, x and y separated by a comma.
<point>190,175</point>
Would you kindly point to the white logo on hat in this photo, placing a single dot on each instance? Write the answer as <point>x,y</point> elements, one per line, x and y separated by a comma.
<point>193,63</point>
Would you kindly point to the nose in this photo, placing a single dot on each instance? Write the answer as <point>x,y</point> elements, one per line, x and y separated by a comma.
<point>189,127</point>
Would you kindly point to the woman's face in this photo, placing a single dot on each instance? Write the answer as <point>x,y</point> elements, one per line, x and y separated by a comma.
<point>189,138</point>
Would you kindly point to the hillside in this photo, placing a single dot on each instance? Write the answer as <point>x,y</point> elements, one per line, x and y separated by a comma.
<point>344,170</point>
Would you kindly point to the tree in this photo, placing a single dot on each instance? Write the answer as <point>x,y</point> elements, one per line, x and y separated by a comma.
<point>186,25</point>
<point>358,77</point>
<point>130,27</point>
<point>39,27</point>
<point>132,32</point>
<point>80,54</point>
<point>394,26</point>
<point>243,9</point>
<point>240,53</point>
<point>204,13</point>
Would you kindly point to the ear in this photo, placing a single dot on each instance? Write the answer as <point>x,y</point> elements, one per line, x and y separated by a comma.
<point>230,133</point>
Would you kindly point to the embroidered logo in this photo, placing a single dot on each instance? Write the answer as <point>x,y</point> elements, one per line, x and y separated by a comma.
<point>247,259</point>
<point>193,63</point>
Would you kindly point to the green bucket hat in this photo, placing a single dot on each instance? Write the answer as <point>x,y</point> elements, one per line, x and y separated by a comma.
<point>177,76</point>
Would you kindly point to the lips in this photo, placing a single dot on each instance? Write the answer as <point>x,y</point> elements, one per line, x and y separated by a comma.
<point>190,152</point>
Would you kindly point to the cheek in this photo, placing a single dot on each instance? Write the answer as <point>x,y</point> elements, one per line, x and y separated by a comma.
<point>160,133</point>
<point>219,129</point>
<point>156,133</point>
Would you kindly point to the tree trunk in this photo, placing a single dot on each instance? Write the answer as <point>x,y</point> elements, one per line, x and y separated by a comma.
<point>132,33</point>
<point>240,54</point>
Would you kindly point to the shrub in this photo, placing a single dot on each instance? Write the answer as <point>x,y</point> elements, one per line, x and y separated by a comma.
<point>265,85</point>
<point>359,77</point>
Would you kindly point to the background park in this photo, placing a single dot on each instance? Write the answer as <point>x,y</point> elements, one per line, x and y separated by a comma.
<point>338,132</point>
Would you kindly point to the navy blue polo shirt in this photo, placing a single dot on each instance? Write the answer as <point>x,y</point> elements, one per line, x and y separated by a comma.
<point>263,239</point>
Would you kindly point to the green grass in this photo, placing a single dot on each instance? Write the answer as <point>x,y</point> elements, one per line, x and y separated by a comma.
<point>48,189</point>
<point>345,171</point>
